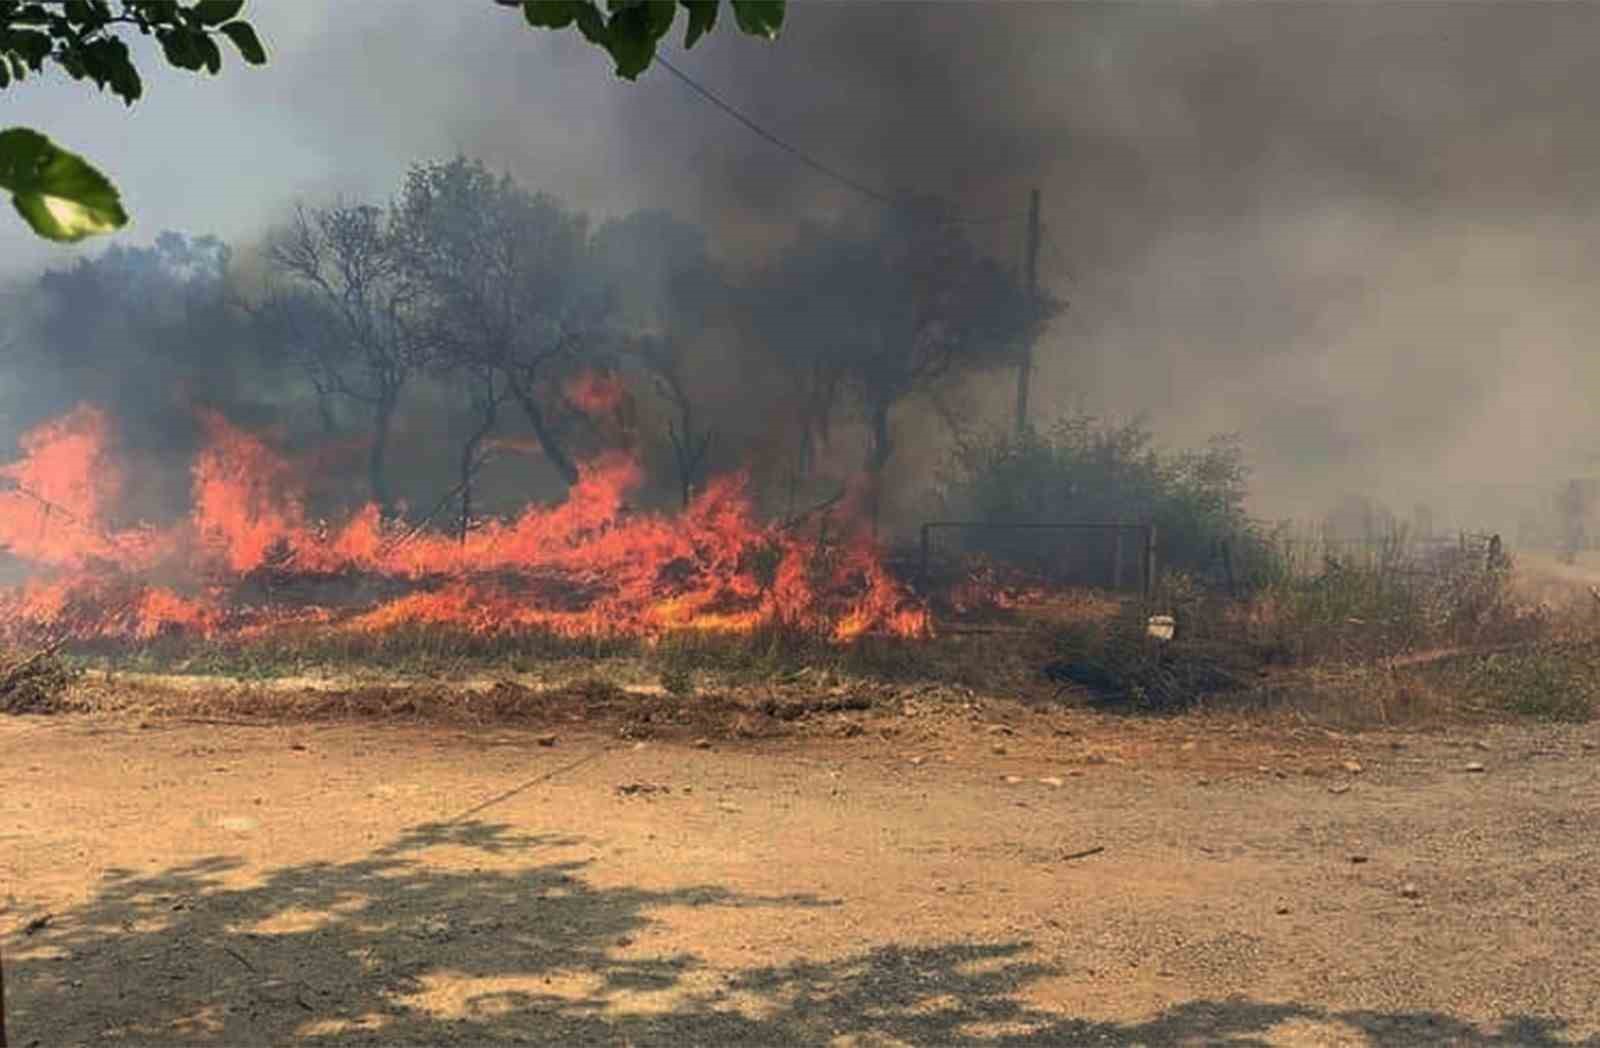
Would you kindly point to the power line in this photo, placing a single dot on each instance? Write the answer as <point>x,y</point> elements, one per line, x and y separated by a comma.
<point>801,155</point>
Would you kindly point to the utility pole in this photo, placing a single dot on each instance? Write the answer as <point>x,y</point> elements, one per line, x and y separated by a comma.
<point>1025,369</point>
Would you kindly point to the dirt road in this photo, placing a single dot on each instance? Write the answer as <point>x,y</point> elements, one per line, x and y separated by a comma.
<point>359,884</point>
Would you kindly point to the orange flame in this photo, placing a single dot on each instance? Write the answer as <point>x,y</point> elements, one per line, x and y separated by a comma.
<point>594,392</point>
<point>246,557</point>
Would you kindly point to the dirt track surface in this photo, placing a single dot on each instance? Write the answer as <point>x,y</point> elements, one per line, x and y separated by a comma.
<point>360,884</point>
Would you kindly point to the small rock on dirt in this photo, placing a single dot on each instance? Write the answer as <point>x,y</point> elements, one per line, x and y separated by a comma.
<point>1052,780</point>
<point>702,744</point>
<point>546,740</point>
<point>632,789</point>
<point>1358,859</point>
<point>1482,745</point>
<point>998,749</point>
<point>917,762</point>
<point>1353,767</point>
<point>1409,890</point>
<point>1474,766</point>
<point>1011,780</point>
<point>1339,787</point>
<point>1281,911</point>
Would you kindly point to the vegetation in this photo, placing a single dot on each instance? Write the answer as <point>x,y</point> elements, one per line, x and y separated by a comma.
<point>1084,469</point>
<point>63,197</point>
<point>630,31</point>
<point>882,310</point>
<point>58,193</point>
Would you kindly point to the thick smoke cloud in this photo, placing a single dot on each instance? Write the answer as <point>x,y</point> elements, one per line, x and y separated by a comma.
<point>1360,235</point>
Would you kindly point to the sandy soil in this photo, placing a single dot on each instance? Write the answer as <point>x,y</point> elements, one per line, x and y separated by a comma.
<point>882,883</point>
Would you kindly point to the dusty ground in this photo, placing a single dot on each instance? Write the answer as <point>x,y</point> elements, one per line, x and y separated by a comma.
<point>878,882</point>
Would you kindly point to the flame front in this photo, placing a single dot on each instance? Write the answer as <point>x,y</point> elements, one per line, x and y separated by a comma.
<point>247,559</point>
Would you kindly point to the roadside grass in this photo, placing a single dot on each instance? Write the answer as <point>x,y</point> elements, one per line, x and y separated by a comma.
<point>1352,641</point>
<point>1382,638</point>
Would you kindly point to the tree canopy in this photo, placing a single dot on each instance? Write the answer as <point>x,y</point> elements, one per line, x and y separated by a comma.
<point>64,197</point>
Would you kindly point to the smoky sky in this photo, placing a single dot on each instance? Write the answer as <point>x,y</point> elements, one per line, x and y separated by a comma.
<point>1361,235</point>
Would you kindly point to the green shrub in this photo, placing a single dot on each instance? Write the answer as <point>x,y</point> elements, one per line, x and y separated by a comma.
<point>1082,469</point>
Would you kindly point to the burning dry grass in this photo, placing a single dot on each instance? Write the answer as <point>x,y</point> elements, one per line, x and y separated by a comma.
<point>596,609</point>
<point>249,561</point>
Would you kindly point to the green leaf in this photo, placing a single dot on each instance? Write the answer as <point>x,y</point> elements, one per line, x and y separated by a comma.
<point>551,14</point>
<point>633,38</point>
<point>207,48</point>
<point>702,19</point>
<point>56,192</point>
<point>179,48</point>
<point>245,39</point>
<point>160,12</point>
<point>759,17</point>
<point>216,12</point>
<point>660,15</point>
<point>31,45</point>
<point>592,24</point>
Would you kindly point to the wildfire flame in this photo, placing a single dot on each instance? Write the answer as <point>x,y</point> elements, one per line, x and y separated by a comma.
<point>246,558</point>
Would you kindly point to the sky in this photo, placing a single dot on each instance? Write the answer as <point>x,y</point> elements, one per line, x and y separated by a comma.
<point>1360,235</point>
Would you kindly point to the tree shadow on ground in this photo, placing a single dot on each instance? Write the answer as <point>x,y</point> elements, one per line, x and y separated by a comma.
<point>393,950</point>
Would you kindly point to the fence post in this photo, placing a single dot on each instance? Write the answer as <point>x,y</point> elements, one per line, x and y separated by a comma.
<point>1149,573</point>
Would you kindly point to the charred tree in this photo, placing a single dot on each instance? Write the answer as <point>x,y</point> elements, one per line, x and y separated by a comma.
<point>886,309</point>
<point>667,293</point>
<point>351,317</point>
<point>487,394</point>
<point>504,275</point>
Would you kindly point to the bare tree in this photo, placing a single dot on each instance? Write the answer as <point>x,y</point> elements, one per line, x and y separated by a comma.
<point>507,288</point>
<point>666,292</point>
<point>487,391</point>
<point>691,441</point>
<point>352,319</point>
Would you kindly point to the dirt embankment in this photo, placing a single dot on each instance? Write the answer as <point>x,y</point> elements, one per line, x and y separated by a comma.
<point>957,873</point>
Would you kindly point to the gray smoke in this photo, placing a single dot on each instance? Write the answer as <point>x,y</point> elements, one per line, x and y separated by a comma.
<point>1358,234</point>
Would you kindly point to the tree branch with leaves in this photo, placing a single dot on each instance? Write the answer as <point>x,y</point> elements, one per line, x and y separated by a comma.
<point>57,192</point>
<point>64,197</point>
